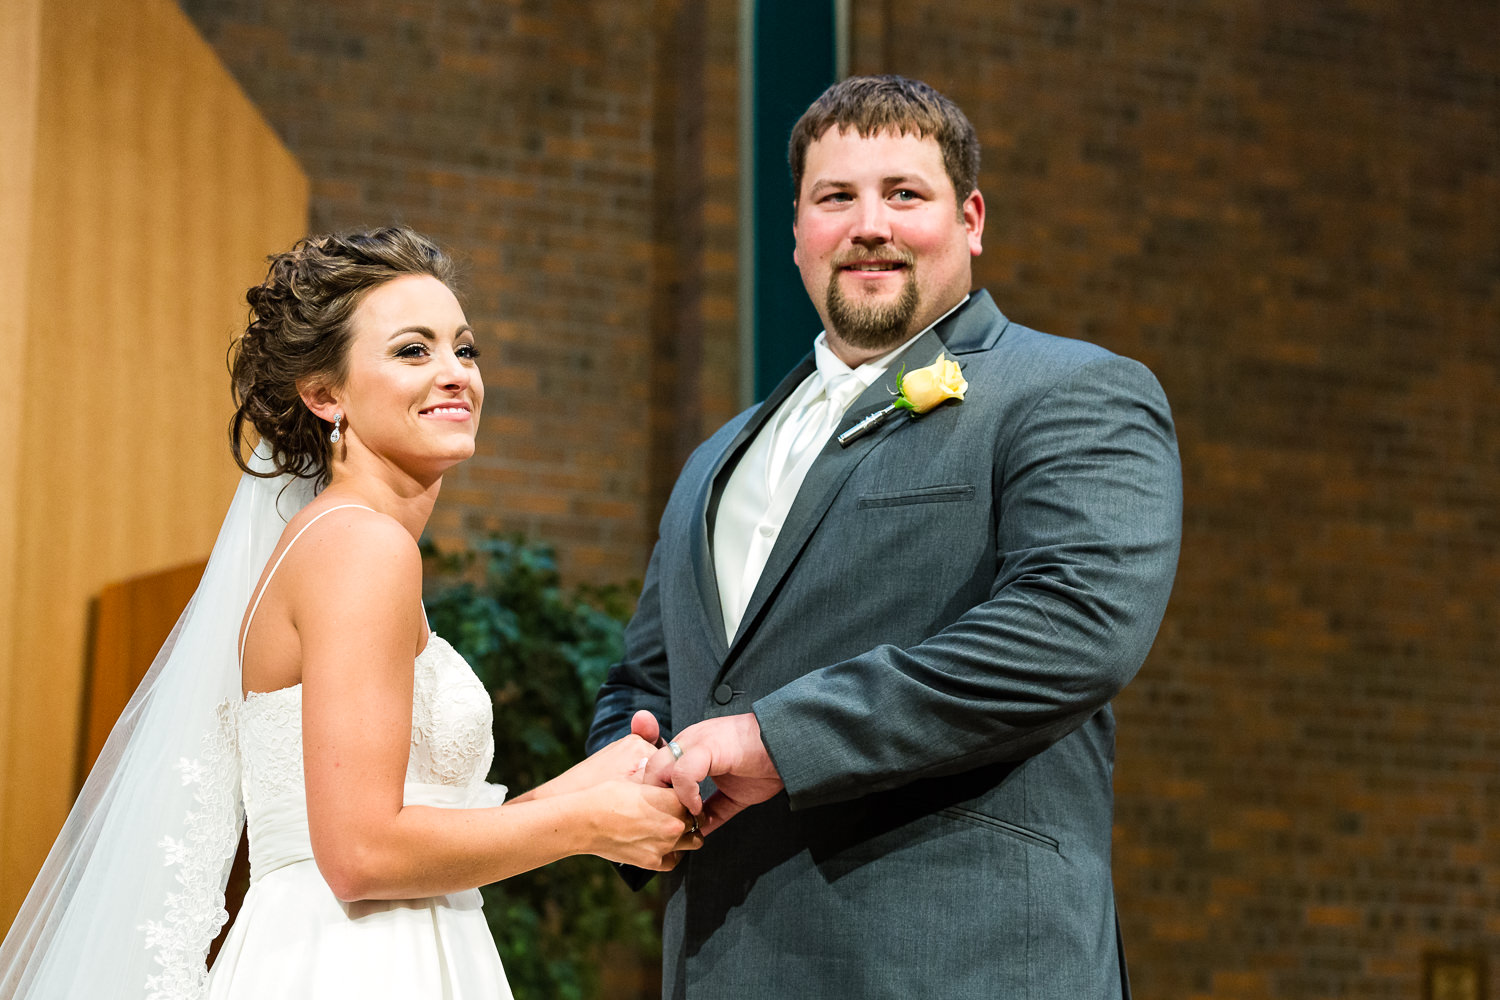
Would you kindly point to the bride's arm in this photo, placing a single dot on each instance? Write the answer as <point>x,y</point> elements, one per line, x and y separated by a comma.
<point>355,593</point>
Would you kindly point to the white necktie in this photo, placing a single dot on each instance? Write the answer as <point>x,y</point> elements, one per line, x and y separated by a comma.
<point>808,428</point>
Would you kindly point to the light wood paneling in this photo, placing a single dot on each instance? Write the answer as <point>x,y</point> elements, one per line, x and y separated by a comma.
<point>20,46</point>
<point>157,191</point>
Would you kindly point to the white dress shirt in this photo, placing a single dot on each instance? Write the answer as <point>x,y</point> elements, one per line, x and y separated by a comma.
<point>763,485</point>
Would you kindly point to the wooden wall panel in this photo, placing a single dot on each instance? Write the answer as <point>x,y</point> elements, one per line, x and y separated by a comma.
<point>130,621</point>
<point>20,26</point>
<point>158,190</point>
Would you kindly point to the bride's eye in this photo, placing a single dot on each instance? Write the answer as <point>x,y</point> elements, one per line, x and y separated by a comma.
<point>412,351</point>
<point>468,351</point>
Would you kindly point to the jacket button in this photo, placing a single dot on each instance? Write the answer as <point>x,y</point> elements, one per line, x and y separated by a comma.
<point>723,694</point>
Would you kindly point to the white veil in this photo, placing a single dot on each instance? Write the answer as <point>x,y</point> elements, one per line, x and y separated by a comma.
<point>132,893</point>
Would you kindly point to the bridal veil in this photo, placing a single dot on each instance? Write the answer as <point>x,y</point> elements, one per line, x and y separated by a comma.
<point>132,893</point>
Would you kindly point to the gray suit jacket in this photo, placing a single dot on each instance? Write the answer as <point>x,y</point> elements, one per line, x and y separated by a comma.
<point>931,652</point>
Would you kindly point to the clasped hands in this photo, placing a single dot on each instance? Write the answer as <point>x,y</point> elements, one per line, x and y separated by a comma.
<point>646,797</point>
<point>728,750</point>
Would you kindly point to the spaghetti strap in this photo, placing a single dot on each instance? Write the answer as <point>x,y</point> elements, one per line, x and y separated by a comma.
<point>245,632</point>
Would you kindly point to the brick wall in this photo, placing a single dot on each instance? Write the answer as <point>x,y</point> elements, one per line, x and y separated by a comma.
<point>1291,211</point>
<point>520,135</point>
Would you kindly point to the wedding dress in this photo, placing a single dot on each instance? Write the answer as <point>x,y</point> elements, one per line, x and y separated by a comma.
<point>293,938</point>
<point>132,892</point>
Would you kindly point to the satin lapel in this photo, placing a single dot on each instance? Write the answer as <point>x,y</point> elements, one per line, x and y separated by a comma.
<point>827,476</point>
<point>707,503</point>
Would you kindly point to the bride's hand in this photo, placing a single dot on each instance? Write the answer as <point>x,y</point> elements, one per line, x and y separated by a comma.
<point>624,758</point>
<point>637,825</point>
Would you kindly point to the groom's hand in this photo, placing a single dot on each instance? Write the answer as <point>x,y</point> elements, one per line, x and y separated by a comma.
<point>728,750</point>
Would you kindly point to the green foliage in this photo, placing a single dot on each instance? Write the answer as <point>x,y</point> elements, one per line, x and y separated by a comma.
<point>542,653</point>
<point>901,402</point>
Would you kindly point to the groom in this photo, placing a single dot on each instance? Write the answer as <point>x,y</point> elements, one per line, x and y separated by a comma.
<point>894,655</point>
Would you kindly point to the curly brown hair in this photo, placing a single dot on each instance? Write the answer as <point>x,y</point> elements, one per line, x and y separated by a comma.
<point>299,333</point>
<point>869,105</point>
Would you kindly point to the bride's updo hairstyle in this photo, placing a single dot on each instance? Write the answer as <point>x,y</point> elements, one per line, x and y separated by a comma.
<point>299,335</point>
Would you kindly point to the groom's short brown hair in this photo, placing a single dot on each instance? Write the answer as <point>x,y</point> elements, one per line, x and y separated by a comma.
<point>870,105</point>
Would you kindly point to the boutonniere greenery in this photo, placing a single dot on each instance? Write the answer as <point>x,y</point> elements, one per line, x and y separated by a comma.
<point>916,392</point>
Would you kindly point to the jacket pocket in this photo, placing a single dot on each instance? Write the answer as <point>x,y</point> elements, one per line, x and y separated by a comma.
<point>1001,826</point>
<point>956,492</point>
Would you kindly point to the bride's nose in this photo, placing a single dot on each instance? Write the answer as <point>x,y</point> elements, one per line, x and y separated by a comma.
<point>454,373</point>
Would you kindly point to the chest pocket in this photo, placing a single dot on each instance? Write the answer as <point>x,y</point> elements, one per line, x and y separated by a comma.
<point>951,493</point>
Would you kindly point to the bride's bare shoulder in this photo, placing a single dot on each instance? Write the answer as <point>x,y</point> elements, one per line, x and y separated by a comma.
<point>350,543</point>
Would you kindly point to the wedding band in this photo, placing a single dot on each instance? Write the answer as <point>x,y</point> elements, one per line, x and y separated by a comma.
<point>676,750</point>
<point>695,825</point>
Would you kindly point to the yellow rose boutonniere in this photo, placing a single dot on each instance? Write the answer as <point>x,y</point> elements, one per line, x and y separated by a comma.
<point>927,387</point>
<point>917,391</point>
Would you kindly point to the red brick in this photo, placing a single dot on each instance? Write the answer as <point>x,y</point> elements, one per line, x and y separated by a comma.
<point>1291,212</point>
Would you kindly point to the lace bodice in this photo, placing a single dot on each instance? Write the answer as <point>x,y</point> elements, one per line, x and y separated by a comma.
<point>451,739</point>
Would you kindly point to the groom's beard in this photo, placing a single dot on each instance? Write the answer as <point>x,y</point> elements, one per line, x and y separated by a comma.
<point>869,325</point>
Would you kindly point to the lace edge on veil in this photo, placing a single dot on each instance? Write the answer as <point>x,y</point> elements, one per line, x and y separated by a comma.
<point>195,913</point>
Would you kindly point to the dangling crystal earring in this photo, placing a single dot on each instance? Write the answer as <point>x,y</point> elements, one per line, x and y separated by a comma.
<point>338,418</point>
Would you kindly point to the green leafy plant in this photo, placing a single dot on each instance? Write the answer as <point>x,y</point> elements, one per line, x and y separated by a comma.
<point>542,652</point>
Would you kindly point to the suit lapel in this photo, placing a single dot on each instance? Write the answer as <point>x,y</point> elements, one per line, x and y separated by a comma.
<point>974,327</point>
<point>752,427</point>
<point>707,505</point>
<point>827,475</point>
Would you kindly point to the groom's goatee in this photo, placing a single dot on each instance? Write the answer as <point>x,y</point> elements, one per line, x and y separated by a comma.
<point>869,325</point>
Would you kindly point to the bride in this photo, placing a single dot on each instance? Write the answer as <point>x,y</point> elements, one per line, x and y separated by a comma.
<point>304,686</point>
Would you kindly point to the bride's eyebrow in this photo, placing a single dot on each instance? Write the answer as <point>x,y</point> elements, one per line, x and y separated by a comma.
<point>426,332</point>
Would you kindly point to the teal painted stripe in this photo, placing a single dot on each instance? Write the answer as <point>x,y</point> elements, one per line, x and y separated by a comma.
<point>792,50</point>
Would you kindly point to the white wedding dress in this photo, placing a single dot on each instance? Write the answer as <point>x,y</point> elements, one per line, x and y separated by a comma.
<point>131,894</point>
<point>293,938</point>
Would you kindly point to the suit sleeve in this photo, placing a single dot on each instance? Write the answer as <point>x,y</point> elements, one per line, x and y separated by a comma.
<point>640,679</point>
<point>1088,525</point>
